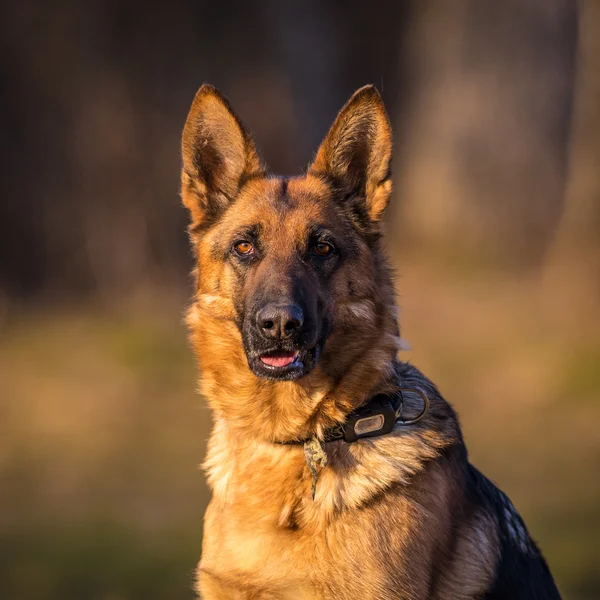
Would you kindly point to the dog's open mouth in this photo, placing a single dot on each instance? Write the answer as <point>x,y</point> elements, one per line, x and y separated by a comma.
<point>279,359</point>
<point>283,364</point>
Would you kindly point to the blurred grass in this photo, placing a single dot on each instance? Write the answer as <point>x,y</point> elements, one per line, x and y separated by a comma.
<point>101,432</point>
<point>97,560</point>
<point>100,437</point>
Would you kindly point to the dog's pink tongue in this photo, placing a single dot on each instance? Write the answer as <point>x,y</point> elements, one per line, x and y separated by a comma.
<point>279,359</point>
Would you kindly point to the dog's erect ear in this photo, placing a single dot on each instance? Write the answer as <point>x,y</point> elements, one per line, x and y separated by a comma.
<point>358,149</point>
<point>218,156</point>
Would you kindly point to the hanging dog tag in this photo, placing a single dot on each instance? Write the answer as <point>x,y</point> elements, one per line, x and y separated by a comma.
<point>316,459</point>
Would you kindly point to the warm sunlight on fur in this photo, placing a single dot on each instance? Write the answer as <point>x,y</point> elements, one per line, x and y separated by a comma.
<point>294,324</point>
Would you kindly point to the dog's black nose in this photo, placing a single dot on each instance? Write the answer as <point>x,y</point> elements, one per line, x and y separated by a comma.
<point>280,321</point>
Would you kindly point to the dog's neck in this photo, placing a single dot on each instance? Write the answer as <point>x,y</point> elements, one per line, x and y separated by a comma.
<point>271,482</point>
<point>251,415</point>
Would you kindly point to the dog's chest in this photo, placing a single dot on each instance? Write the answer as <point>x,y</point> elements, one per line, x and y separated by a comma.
<point>256,559</point>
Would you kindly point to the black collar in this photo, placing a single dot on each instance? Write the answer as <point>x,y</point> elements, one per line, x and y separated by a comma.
<point>377,417</point>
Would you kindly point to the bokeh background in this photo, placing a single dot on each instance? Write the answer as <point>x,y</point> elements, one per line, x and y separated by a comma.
<point>494,229</point>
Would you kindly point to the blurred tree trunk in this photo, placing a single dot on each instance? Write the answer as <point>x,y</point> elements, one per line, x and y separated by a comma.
<point>483,165</point>
<point>327,50</point>
<point>574,260</point>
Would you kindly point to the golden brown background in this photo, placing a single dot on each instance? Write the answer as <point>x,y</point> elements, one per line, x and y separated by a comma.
<point>495,231</point>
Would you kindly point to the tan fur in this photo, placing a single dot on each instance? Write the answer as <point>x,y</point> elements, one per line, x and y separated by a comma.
<point>386,509</point>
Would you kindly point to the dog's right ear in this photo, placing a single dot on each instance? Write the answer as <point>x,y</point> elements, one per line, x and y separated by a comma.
<point>218,156</point>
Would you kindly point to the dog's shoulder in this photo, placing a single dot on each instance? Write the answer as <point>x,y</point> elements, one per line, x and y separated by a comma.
<point>522,571</point>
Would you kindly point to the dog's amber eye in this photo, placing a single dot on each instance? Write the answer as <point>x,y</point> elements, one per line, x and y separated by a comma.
<point>244,248</point>
<point>322,249</point>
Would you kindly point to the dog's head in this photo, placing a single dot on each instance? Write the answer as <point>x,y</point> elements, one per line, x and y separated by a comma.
<point>289,269</point>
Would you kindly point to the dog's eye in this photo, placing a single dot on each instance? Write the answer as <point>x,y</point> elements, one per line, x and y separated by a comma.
<point>243,248</point>
<point>322,249</point>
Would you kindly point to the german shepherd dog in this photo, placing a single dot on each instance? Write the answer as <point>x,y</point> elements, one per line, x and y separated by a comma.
<point>337,471</point>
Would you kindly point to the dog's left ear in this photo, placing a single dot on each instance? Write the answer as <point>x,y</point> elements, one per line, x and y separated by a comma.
<point>357,151</point>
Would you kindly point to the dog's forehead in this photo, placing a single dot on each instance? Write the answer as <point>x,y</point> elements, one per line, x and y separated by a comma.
<point>283,207</point>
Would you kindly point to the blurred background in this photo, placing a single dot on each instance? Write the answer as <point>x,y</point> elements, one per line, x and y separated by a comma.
<point>494,230</point>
